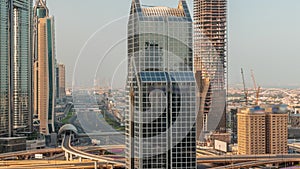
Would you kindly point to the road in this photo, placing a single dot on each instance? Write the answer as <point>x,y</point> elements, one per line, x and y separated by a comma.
<point>91,120</point>
<point>257,163</point>
<point>66,146</point>
<point>46,164</point>
<point>245,158</point>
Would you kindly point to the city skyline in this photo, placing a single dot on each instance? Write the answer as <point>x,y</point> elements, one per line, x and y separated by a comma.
<point>150,87</point>
<point>244,48</point>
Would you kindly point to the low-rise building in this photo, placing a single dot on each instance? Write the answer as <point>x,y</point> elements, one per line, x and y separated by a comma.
<point>12,144</point>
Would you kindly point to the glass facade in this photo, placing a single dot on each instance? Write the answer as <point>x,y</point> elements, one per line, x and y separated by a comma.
<point>51,70</point>
<point>160,117</point>
<point>4,68</point>
<point>22,66</point>
<point>16,66</point>
<point>41,12</point>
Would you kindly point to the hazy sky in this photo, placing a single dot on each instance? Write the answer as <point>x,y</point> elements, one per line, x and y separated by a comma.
<point>264,35</point>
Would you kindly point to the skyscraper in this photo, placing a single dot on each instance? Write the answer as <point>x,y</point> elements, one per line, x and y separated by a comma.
<point>44,67</point>
<point>210,63</point>
<point>160,117</point>
<point>16,66</point>
<point>4,68</point>
<point>60,81</point>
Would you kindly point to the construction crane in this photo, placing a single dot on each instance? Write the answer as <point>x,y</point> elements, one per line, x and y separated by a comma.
<point>245,90</point>
<point>256,88</point>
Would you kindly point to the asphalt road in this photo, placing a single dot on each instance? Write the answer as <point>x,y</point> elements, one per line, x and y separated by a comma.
<point>92,121</point>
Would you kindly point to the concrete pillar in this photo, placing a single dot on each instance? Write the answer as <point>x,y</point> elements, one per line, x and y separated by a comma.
<point>101,152</point>
<point>80,159</point>
<point>71,157</point>
<point>95,164</point>
<point>67,156</point>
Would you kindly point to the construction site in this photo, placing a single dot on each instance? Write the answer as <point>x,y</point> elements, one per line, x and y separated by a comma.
<point>210,64</point>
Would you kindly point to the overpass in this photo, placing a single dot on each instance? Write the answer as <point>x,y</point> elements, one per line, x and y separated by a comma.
<point>100,134</point>
<point>259,163</point>
<point>52,151</point>
<point>72,128</point>
<point>26,154</point>
<point>43,164</point>
<point>71,151</point>
<point>245,158</point>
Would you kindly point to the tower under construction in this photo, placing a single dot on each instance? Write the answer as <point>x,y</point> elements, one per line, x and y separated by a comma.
<point>210,63</point>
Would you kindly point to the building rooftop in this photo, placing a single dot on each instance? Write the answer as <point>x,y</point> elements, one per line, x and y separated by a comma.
<point>11,138</point>
<point>163,11</point>
<point>274,109</point>
<point>295,115</point>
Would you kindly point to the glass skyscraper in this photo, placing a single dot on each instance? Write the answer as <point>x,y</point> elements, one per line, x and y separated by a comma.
<point>210,45</point>
<point>4,68</point>
<point>16,66</point>
<point>44,67</point>
<point>160,117</point>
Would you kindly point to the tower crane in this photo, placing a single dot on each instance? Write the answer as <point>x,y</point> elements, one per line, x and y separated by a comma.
<point>256,88</point>
<point>245,90</point>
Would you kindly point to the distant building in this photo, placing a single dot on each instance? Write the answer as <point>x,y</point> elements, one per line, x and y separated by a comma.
<point>15,67</point>
<point>44,68</point>
<point>11,144</point>
<point>233,125</point>
<point>161,101</point>
<point>295,120</point>
<point>224,137</point>
<point>60,81</point>
<point>262,130</point>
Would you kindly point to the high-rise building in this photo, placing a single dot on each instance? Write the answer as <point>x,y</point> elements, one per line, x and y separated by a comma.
<point>60,81</point>
<point>263,130</point>
<point>44,68</point>
<point>4,68</point>
<point>160,117</point>
<point>251,131</point>
<point>277,129</point>
<point>16,66</point>
<point>210,63</point>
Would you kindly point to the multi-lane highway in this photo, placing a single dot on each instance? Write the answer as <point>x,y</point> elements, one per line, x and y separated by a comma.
<point>92,121</point>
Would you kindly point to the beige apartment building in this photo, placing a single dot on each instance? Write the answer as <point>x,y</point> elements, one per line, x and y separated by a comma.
<point>251,131</point>
<point>262,130</point>
<point>277,133</point>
